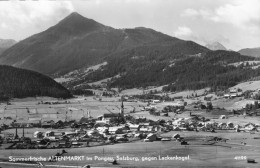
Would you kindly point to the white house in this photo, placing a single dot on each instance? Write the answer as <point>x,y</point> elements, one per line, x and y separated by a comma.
<point>115,130</point>
<point>249,127</point>
<point>156,101</point>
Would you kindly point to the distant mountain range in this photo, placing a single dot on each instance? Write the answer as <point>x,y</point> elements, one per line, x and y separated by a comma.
<point>20,83</point>
<point>5,44</point>
<point>254,52</point>
<point>215,46</point>
<point>128,58</point>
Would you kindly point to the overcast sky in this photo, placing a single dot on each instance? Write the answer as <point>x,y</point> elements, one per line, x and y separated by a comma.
<point>234,23</point>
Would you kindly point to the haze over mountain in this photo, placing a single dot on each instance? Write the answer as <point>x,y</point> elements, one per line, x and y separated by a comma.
<point>215,46</point>
<point>254,52</point>
<point>5,44</point>
<point>20,83</point>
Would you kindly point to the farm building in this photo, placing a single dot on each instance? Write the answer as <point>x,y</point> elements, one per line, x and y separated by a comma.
<point>115,130</point>
<point>230,125</point>
<point>134,127</point>
<point>47,124</point>
<point>156,101</point>
<point>151,137</point>
<point>222,125</point>
<point>145,128</point>
<point>249,127</point>
<point>223,117</point>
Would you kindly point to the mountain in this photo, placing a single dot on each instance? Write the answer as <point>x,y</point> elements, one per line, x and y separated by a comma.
<point>76,42</point>
<point>215,46</point>
<point>254,52</point>
<point>125,58</point>
<point>20,83</point>
<point>5,44</point>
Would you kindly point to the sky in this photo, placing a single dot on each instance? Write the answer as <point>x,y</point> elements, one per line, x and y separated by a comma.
<point>233,23</point>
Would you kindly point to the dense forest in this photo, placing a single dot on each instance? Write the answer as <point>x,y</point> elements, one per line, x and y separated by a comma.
<point>179,70</point>
<point>20,83</point>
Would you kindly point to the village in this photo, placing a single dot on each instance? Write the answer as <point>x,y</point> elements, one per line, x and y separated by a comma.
<point>82,122</point>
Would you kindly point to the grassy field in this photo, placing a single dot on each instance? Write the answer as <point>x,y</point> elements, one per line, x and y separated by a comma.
<point>251,85</point>
<point>150,155</point>
<point>77,108</point>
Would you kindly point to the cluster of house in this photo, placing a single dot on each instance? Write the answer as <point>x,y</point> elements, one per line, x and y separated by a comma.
<point>233,92</point>
<point>103,127</point>
<point>195,123</point>
<point>103,130</point>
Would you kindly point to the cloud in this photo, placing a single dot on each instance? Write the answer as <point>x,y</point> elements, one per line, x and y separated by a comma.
<point>195,13</point>
<point>240,13</point>
<point>190,12</point>
<point>186,33</point>
<point>99,2</point>
<point>20,14</point>
<point>3,26</point>
<point>183,31</point>
<point>221,39</point>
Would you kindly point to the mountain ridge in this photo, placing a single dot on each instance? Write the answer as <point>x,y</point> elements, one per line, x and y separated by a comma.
<point>77,42</point>
<point>137,57</point>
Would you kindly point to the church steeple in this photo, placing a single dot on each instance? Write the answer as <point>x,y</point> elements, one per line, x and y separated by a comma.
<point>122,111</point>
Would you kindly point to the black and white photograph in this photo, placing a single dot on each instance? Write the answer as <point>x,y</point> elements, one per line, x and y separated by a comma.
<point>129,83</point>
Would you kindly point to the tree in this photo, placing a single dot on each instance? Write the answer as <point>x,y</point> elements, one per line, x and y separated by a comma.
<point>249,107</point>
<point>3,97</point>
<point>256,104</point>
<point>202,106</point>
<point>209,106</point>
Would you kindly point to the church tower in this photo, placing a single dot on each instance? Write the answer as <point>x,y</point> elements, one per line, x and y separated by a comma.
<point>122,111</point>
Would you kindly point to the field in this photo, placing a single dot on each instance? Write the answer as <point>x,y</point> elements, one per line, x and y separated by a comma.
<point>142,154</point>
<point>251,85</point>
<point>77,107</point>
<point>147,155</point>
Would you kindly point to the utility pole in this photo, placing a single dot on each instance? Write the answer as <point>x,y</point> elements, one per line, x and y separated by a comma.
<point>16,134</point>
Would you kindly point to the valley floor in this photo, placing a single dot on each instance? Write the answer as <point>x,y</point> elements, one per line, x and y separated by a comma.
<point>147,154</point>
<point>151,155</point>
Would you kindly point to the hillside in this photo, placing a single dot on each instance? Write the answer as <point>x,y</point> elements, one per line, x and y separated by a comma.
<point>20,83</point>
<point>210,69</point>
<point>254,52</point>
<point>166,65</point>
<point>137,61</point>
<point>76,42</point>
